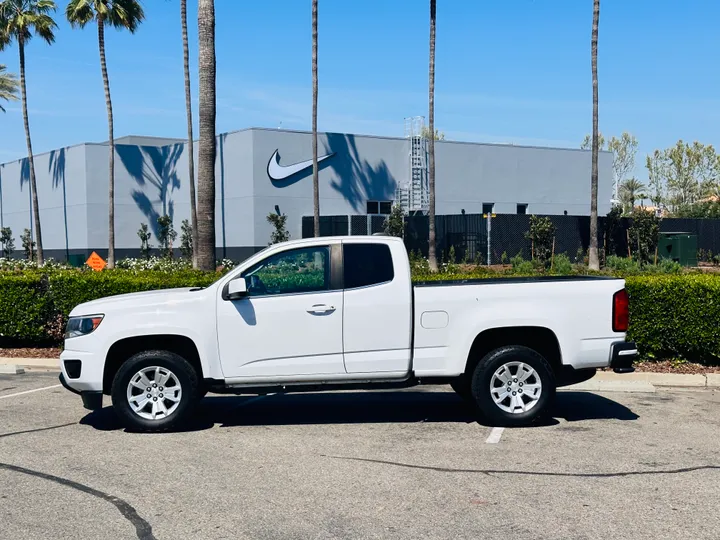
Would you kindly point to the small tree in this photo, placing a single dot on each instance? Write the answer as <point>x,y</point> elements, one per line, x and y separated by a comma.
<point>541,235</point>
<point>144,234</point>
<point>8,244</point>
<point>186,239</point>
<point>280,234</point>
<point>166,236</point>
<point>613,227</point>
<point>395,223</point>
<point>28,245</point>
<point>644,234</point>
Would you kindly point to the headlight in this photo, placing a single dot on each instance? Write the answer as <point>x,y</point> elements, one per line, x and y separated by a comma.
<point>81,326</point>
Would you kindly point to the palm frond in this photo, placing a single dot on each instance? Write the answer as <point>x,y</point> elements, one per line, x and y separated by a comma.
<point>127,14</point>
<point>9,86</point>
<point>20,18</point>
<point>79,12</point>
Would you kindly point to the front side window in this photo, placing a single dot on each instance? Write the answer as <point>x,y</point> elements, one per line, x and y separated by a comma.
<point>366,264</point>
<point>290,272</point>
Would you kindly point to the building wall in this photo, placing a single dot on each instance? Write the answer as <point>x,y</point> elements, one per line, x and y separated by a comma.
<point>60,179</point>
<point>549,180</point>
<point>363,168</point>
<point>151,179</point>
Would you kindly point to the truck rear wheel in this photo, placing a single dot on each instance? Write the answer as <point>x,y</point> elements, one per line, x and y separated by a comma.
<point>154,391</point>
<point>513,386</point>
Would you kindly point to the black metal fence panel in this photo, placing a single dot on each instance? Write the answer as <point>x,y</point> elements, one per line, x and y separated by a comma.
<point>468,234</point>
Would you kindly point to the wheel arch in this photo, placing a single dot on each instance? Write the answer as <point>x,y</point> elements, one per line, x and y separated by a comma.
<point>123,349</point>
<point>538,338</point>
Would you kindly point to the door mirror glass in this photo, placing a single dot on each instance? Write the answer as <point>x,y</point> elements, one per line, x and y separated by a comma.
<point>237,289</point>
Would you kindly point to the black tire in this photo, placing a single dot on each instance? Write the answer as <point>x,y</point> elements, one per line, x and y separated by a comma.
<point>186,377</point>
<point>483,375</point>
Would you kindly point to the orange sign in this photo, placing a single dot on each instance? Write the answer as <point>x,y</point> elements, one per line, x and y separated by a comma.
<point>96,262</point>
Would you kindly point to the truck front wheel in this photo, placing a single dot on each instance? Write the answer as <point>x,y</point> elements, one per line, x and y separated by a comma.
<point>513,386</point>
<point>154,391</point>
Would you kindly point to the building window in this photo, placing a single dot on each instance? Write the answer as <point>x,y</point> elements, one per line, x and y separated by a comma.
<point>522,208</point>
<point>379,207</point>
<point>488,207</point>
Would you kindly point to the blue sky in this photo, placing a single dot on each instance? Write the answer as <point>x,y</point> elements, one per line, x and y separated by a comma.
<point>507,71</point>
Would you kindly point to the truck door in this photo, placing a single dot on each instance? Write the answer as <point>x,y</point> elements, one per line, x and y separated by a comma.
<point>290,322</point>
<point>377,309</point>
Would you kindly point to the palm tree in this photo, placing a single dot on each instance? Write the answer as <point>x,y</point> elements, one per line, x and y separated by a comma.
<point>188,107</point>
<point>9,86</point>
<point>594,261</point>
<point>316,185</point>
<point>432,258</point>
<point>19,20</point>
<point>206,152</point>
<point>630,191</point>
<point>120,14</point>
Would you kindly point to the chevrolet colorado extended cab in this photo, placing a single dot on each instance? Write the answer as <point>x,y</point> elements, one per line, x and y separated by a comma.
<point>331,313</point>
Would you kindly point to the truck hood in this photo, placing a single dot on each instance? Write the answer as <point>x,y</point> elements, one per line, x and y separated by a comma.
<point>139,300</point>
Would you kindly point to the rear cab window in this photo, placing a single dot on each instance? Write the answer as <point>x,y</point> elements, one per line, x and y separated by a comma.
<point>366,264</point>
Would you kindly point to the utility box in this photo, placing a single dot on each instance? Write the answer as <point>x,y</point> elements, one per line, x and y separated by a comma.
<point>77,260</point>
<point>678,246</point>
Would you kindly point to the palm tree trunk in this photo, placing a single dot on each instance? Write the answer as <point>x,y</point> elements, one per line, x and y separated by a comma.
<point>31,161</point>
<point>207,149</point>
<point>593,259</point>
<point>111,148</point>
<point>316,185</point>
<point>190,144</point>
<point>432,257</point>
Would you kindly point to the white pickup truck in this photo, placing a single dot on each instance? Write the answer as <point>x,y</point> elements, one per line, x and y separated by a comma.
<point>327,313</point>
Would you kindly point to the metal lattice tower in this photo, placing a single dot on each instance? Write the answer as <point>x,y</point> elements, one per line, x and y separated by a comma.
<point>414,195</point>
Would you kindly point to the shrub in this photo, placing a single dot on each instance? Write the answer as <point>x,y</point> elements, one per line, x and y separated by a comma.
<point>622,265</point>
<point>186,239</point>
<point>394,224</point>
<point>28,245</point>
<point>676,316</point>
<point>563,264</point>
<point>166,236</point>
<point>280,232</point>
<point>7,242</point>
<point>644,234</point>
<point>541,235</point>
<point>144,234</point>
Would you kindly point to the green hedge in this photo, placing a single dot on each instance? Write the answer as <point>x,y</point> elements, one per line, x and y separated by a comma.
<point>676,316</point>
<point>671,316</point>
<point>25,307</point>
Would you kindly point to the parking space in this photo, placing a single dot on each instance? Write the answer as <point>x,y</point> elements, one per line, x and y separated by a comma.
<point>377,464</point>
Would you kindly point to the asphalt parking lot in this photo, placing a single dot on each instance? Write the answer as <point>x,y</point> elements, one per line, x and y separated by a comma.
<point>377,464</point>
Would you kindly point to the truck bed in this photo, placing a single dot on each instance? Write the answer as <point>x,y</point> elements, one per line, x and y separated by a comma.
<point>508,280</point>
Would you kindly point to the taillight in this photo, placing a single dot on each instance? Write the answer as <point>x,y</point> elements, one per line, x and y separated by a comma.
<point>621,311</point>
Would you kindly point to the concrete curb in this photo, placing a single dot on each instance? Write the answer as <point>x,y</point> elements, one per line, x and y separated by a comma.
<point>709,380</point>
<point>11,369</point>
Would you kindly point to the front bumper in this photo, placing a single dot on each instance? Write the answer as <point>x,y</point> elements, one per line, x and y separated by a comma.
<point>92,400</point>
<point>622,356</point>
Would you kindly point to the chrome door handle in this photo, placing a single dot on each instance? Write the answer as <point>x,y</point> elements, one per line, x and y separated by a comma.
<point>321,308</point>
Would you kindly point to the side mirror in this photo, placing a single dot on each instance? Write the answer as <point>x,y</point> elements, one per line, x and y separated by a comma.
<point>237,289</point>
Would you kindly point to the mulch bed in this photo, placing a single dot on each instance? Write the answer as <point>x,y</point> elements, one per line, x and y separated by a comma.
<point>31,352</point>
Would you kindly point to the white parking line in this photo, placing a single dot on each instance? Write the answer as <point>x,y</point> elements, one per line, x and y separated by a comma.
<point>495,435</point>
<point>30,391</point>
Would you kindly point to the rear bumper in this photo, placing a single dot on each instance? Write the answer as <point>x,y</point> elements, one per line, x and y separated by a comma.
<point>622,356</point>
<point>92,400</point>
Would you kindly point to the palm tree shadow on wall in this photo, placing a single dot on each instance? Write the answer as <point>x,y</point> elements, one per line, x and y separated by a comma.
<point>56,167</point>
<point>25,179</point>
<point>153,167</point>
<point>357,179</point>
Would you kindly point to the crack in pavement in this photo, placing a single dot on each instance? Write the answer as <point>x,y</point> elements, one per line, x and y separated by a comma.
<point>37,429</point>
<point>143,529</point>
<point>491,472</point>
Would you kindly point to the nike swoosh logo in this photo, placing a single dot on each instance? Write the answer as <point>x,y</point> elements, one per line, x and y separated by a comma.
<point>279,172</point>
